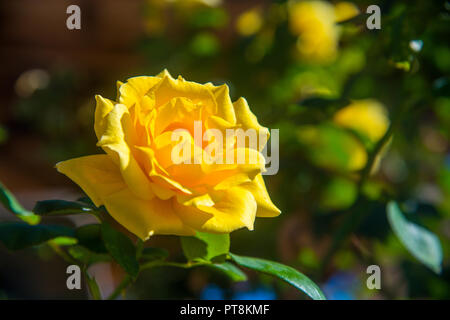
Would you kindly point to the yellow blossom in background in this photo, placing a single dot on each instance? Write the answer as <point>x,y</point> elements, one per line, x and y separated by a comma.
<point>368,117</point>
<point>314,22</point>
<point>249,22</point>
<point>139,183</point>
<point>345,10</point>
<point>332,148</point>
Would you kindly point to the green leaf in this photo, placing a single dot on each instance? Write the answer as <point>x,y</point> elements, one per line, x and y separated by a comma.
<point>121,249</point>
<point>59,207</point>
<point>86,256</point>
<point>286,273</point>
<point>233,272</point>
<point>205,246</point>
<point>150,254</point>
<point>90,237</point>
<point>11,203</point>
<point>87,201</point>
<point>16,235</point>
<point>421,243</point>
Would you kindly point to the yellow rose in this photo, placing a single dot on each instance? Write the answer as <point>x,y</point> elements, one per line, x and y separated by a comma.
<point>137,181</point>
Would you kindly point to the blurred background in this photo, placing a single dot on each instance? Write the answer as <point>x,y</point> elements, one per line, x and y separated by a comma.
<point>312,69</point>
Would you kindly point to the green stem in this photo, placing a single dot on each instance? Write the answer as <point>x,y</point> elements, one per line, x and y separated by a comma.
<point>120,288</point>
<point>92,285</point>
<point>127,279</point>
<point>374,154</point>
<point>355,217</point>
<point>139,248</point>
<point>160,263</point>
<point>97,214</point>
<point>61,253</point>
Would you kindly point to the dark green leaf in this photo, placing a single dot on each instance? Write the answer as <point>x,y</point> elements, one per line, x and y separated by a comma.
<point>205,246</point>
<point>16,235</point>
<point>90,236</point>
<point>233,272</point>
<point>59,207</point>
<point>421,243</point>
<point>11,203</point>
<point>86,256</point>
<point>87,201</point>
<point>149,254</point>
<point>286,273</point>
<point>121,249</point>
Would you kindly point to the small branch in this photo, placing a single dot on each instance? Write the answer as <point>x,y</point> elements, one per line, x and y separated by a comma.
<point>139,248</point>
<point>61,253</point>
<point>127,279</point>
<point>373,156</point>
<point>120,288</point>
